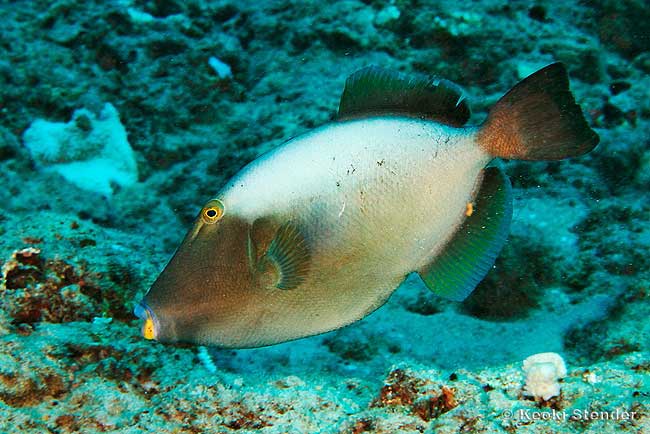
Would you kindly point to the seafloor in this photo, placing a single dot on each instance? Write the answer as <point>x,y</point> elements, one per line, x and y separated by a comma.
<point>573,278</point>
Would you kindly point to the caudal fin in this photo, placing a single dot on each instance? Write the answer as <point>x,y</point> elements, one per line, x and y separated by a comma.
<point>538,119</point>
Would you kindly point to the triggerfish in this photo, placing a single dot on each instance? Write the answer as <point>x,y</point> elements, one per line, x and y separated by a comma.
<point>318,232</point>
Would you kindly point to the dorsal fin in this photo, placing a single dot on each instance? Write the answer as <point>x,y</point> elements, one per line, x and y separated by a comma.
<point>471,252</point>
<point>374,90</point>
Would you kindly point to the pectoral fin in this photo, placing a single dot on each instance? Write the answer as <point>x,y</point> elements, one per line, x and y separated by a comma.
<point>471,252</point>
<point>285,264</point>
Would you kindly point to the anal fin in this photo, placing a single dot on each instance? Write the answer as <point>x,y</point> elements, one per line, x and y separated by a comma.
<point>472,250</point>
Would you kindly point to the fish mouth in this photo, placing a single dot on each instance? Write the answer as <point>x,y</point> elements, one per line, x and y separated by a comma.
<point>151,326</point>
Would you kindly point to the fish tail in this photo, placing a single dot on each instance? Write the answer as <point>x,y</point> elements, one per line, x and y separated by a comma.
<point>538,119</point>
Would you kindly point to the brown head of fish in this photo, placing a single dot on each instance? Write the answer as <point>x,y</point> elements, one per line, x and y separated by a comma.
<point>212,255</point>
<point>320,231</point>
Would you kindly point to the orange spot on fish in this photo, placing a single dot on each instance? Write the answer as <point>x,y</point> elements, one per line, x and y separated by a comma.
<point>147,328</point>
<point>469,210</point>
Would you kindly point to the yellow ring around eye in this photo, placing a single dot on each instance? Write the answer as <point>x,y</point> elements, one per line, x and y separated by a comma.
<point>212,212</point>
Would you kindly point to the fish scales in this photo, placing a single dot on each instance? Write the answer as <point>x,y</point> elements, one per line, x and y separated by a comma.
<point>394,218</point>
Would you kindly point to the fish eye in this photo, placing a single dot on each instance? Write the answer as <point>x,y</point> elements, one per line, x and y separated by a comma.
<point>212,212</point>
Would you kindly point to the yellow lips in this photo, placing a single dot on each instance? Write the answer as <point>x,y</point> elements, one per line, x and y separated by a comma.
<point>147,328</point>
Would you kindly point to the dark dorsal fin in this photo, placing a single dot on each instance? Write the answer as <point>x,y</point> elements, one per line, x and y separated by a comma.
<point>374,90</point>
<point>471,252</point>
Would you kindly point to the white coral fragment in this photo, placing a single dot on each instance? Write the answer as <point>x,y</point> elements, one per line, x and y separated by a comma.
<point>220,68</point>
<point>543,371</point>
<point>91,152</point>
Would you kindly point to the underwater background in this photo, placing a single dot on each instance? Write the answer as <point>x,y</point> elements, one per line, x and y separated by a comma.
<point>119,120</point>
